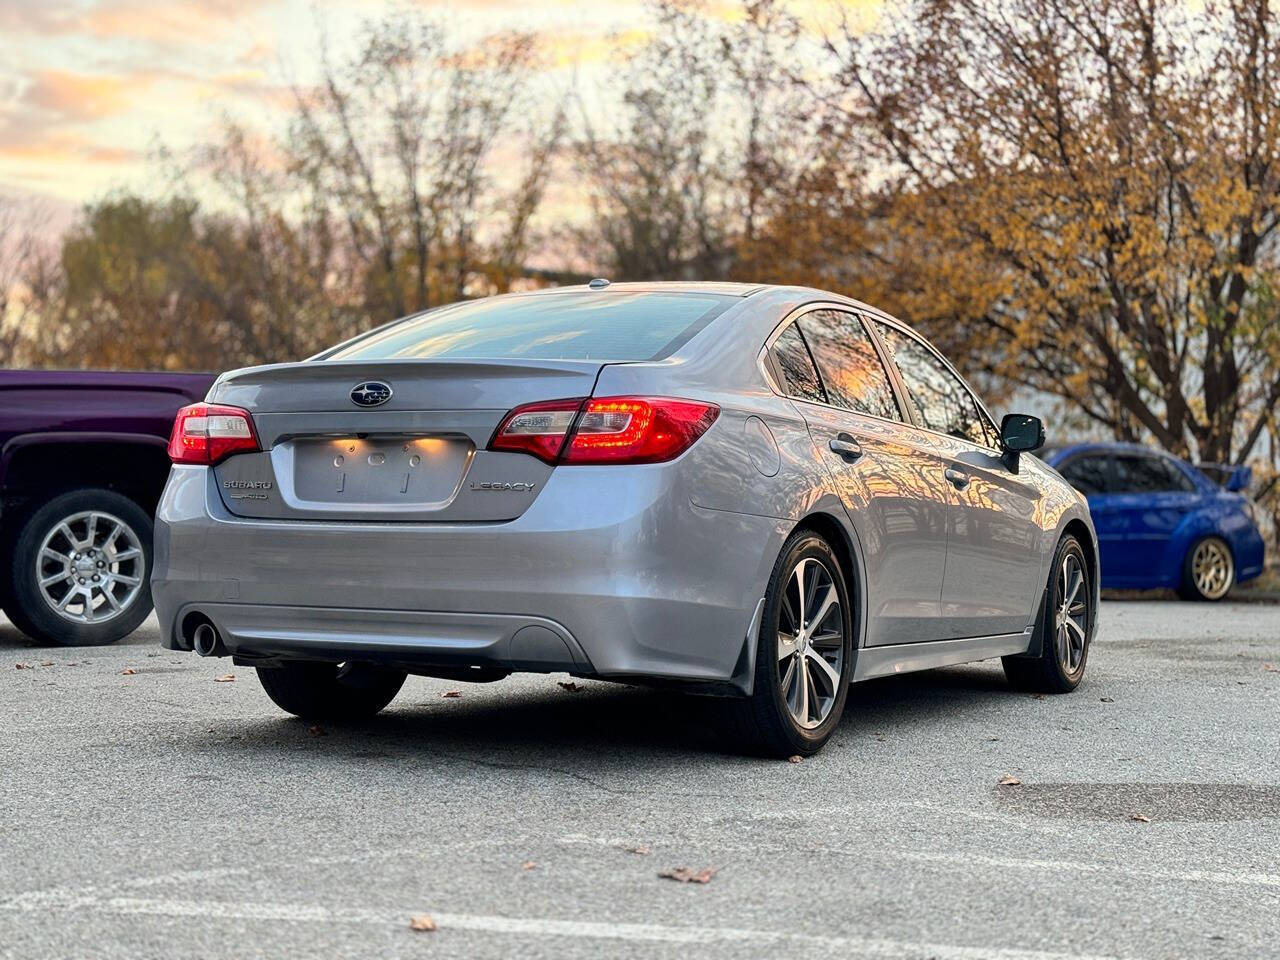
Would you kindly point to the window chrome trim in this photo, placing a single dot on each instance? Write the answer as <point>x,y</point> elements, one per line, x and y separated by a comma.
<point>868,312</point>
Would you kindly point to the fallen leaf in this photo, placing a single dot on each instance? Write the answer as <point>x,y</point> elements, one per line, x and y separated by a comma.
<point>528,865</point>
<point>689,875</point>
<point>1010,781</point>
<point>317,731</point>
<point>641,850</point>
<point>451,694</point>
<point>422,922</point>
<point>1140,818</point>
<point>570,686</point>
<point>1106,700</point>
<point>795,758</point>
<point>128,672</point>
<point>226,679</point>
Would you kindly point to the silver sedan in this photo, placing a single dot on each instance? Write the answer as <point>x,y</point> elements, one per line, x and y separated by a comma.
<point>763,493</point>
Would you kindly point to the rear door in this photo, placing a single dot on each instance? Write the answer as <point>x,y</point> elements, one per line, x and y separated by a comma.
<point>992,579</point>
<point>1150,497</point>
<point>890,483</point>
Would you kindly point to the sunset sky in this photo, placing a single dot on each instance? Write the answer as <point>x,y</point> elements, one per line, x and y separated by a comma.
<point>90,88</point>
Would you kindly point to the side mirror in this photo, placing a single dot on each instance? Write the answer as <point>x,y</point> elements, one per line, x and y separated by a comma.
<point>1240,479</point>
<point>1020,433</point>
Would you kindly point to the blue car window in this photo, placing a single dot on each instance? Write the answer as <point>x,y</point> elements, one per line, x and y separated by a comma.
<point>1138,474</point>
<point>1089,475</point>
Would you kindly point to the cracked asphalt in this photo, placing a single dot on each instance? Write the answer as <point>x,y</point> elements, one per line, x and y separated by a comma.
<point>149,811</point>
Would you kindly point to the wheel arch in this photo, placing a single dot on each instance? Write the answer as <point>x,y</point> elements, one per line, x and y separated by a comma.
<point>40,466</point>
<point>845,545</point>
<point>1078,528</point>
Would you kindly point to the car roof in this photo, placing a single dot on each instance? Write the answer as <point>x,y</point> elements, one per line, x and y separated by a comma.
<point>1061,452</point>
<point>720,288</point>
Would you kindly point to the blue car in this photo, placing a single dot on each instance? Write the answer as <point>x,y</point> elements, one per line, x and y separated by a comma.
<point>1162,522</point>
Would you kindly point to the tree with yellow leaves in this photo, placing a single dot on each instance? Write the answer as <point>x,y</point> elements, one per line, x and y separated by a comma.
<point>1083,195</point>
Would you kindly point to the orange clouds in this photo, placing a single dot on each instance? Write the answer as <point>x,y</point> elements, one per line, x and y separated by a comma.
<point>166,21</point>
<point>67,147</point>
<point>78,96</point>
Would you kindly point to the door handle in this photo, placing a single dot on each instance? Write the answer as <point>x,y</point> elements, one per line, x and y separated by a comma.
<point>846,447</point>
<point>957,478</point>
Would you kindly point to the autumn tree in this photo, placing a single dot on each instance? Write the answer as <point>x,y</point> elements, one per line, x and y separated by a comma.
<point>1085,194</point>
<point>683,149</point>
<point>395,149</point>
<point>26,273</point>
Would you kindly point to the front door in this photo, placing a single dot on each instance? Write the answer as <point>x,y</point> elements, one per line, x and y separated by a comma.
<point>992,577</point>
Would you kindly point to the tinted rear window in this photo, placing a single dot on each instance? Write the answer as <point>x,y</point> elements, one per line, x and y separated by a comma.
<point>548,326</point>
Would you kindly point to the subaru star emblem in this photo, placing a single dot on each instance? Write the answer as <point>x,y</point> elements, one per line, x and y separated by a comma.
<point>371,393</point>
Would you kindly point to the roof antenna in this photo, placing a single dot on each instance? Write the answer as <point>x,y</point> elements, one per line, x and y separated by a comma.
<point>599,283</point>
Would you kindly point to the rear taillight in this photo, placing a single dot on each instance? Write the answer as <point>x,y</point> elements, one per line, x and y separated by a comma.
<point>605,429</point>
<point>207,433</point>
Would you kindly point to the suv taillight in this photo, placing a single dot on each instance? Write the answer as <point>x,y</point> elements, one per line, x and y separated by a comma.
<point>605,429</point>
<point>207,433</point>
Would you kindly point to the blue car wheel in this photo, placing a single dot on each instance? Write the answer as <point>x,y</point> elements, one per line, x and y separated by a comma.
<point>1209,570</point>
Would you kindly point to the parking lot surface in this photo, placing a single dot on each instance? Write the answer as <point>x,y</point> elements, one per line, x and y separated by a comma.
<point>148,810</point>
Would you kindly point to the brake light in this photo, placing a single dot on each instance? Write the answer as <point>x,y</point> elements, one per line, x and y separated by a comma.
<point>207,433</point>
<point>605,429</point>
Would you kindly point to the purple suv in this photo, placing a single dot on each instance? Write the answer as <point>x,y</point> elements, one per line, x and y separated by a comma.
<point>82,463</point>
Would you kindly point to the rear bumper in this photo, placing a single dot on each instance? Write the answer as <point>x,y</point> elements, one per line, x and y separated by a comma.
<point>1250,553</point>
<point>637,583</point>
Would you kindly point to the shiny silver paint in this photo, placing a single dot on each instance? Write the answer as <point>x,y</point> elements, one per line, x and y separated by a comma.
<point>640,572</point>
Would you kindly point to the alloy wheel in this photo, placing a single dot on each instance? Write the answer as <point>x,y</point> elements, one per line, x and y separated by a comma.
<point>90,567</point>
<point>1212,569</point>
<point>810,643</point>
<point>1071,619</point>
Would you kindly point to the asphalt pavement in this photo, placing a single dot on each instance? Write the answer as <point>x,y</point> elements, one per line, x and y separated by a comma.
<point>149,810</point>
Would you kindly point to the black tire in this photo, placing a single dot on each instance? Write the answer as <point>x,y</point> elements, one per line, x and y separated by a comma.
<point>1048,672</point>
<point>25,601</point>
<point>331,691</point>
<point>1193,587</point>
<point>764,723</point>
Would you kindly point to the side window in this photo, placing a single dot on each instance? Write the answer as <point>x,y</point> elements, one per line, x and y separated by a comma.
<point>942,401</point>
<point>851,369</point>
<point>1138,474</point>
<point>1089,475</point>
<point>792,358</point>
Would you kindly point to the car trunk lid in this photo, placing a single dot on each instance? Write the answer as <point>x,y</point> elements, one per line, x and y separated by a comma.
<point>417,456</point>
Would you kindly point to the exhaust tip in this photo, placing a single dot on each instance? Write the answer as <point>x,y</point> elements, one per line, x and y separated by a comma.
<point>206,642</point>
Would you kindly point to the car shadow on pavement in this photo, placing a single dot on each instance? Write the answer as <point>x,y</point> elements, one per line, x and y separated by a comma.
<point>482,726</point>
<point>12,639</point>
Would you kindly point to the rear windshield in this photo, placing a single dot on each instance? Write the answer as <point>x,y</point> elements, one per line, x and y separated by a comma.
<point>546,326</point>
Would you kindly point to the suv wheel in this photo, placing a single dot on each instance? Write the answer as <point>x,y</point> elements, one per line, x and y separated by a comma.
<point>81,570</point>
<point>804,657</point>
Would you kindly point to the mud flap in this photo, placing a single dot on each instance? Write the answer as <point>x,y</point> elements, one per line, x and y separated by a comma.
<point>744,670</point>
<point>1037,634</point>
